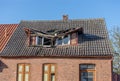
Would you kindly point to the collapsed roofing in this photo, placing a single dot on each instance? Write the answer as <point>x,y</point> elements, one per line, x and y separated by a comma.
<point>94,40</point>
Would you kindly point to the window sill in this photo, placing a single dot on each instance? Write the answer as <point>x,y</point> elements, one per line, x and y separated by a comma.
<point>47,46</point>
<point>63,45</point>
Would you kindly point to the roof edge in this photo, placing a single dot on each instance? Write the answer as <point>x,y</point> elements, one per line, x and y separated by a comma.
<point>108,56</point>
<point>10,36</point>
<point>83,19</point>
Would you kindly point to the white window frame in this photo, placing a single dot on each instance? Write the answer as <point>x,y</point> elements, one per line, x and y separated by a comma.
<point>42,40</point>
<point>37,40</point>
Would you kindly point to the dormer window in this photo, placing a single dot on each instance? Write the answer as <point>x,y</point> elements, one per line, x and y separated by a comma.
<point>53,38</point>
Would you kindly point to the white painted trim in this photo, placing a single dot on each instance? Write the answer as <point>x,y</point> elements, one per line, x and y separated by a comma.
<point>36,40</point>
<point>42,40</point>
<point>56,42</point>
<point>69,39</point>
<point>62,40</point>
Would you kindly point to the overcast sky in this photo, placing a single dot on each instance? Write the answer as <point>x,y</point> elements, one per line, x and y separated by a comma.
<point>13,11</point>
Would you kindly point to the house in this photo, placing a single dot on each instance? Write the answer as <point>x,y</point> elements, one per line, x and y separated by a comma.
<point>58,50</point>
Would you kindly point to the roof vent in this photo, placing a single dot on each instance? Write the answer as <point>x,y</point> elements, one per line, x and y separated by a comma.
<point>65,17</point>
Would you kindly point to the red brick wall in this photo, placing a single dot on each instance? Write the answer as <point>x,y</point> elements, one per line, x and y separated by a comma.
<point>67,68</point>
<point>73,39</point>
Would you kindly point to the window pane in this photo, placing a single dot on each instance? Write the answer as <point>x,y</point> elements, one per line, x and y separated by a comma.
<point>20,68</point>
<point>65,40</point>
<point>90,76</point>
<point>86,76</point>
<point>87,66</point>
<point>59,41</point>
<point>45,77</point>
<point>39,40</point>
<point>83,67</point>
<point>52,77</point>
<point>27,68</point>
<point>46,68</point>
<point>52,68</point>
<point>20,77</point>
<point>91,66</point>
<point>26,77</point>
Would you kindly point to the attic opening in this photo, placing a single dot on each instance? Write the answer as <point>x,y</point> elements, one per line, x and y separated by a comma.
<point>53,37</point>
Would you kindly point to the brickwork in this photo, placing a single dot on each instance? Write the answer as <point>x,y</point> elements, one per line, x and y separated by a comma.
<point>67,68</point>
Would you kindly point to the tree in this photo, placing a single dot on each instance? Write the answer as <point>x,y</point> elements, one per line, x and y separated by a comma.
<point>115,40</point>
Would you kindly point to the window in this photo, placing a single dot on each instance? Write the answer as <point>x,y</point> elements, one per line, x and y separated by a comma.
<point>63,40</point>
<point>59,41</point>
<point>35,40</point>
<point>49,72</point>
<point>66,39</point>
<point>47,41</point>
<point>23,72</point>
<point>38,40</point>
<point>87,72</point>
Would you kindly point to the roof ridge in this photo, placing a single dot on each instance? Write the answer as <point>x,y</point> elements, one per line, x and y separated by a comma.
<point>86,19</point>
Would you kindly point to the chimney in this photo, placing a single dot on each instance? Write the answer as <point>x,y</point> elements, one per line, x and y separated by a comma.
<point>65,17</point>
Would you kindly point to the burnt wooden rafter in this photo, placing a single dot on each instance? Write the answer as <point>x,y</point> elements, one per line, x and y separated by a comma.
<point>52,36</point>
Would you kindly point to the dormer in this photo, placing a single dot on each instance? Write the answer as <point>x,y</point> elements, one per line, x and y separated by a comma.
<point>53,37</point>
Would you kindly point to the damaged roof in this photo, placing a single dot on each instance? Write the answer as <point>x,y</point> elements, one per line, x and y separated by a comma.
<point>94,42</point>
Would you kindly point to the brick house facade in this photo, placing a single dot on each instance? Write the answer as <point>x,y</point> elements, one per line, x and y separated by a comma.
<point>60,50</point>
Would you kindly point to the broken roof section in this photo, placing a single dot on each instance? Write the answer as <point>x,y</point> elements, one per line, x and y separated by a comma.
<point>6,31</point>
<point>53,33</point>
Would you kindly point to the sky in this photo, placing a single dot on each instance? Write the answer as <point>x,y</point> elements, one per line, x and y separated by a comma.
<point>13,11</point>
